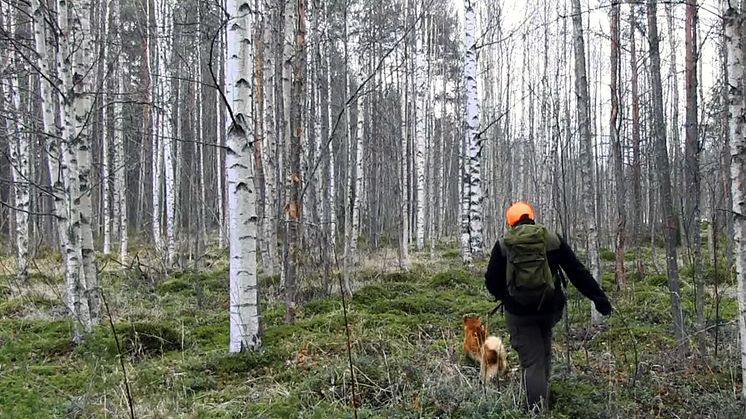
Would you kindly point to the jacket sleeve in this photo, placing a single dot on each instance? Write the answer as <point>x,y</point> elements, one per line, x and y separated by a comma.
<point>578,274</point>
<point>494,278</point>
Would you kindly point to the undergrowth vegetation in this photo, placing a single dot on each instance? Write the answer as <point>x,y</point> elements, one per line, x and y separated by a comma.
<point>402,330</point>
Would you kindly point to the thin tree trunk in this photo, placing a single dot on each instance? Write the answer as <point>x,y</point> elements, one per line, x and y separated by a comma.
<point>259,133</point>
<point>664,175</point>
<point>420,85</point>
<point>82,108</point>
<point>294,207</point>
<point>51,131</point>
<point>735,24</point>
<point>120,165</point>
<point>404,262</point>
<point>284,145</point>
<point>155,133</point>
<point>239,167</point>
<point>200,131</point>
<point>347,262</point>
<point>166,72</point>
<point>586,150</point>
<point>637,212</point>
<point>19,149</point>
<point>471,117</point>
<point>358,189</point>
<point>616,143</point>
<point>105,153</point>
<point>270,130</point>
<point>75,276</point>
<point>692,179</point>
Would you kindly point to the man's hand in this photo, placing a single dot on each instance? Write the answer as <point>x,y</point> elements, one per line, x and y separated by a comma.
<point>603,306</point>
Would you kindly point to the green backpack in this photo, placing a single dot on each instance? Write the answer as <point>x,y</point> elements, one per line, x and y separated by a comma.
<point>528,275</point>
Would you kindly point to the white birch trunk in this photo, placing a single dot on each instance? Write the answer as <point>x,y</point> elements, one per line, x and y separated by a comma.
<point>463,194</point>
<point>471,128</point>
<point>19,150</point>
<point>52,134</point>
<point>358,167</point>
<point>586,150</point>
<point>348,191</point>
<point>282,158</point>
<point>82,107</point>
<point>332,220</point>
<point>269,224</point>
<point>21,169</point>
<point>156,150</point>
<point>735,24</point>
<point>420,136</point>
<point>166,73</point>
<point>105,152</point>
<point>239,166</point>
<point>404,262</point>
<point>74,273</point>
<point>120,166</point>
<point>218,169</point>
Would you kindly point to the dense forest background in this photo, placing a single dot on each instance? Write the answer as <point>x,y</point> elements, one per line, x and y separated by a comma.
<point>319,184</point>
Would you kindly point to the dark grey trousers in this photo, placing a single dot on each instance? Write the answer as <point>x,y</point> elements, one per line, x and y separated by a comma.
<point>531,337</point>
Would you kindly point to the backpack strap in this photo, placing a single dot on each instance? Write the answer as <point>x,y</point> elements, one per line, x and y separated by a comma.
<point>503,248</point>
<point>552,241</point>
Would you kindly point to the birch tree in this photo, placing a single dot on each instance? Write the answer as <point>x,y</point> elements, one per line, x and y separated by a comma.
<point>616,143</point>
<point>471,116</point>
<point>586,149</point>
<point>664,174</point>
<point>52,133</point>
<point>164,17</point>
<point>420,136</point>
<point>295,206</point>
<point>692,169</point>
<point>331,200</point>
<point>635,137</point>
<point>71,106</point>
<point>404,171</point>
<point>120,166</point>
<point>239,167</point>
<point>269,224</point>
<point>105,146</point>
<point>19,149</point>
<point>735,24</point>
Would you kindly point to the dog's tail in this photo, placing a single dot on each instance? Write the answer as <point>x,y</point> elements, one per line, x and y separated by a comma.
<point>494,358</point>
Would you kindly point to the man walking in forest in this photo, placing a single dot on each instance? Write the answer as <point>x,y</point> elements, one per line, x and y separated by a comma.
<point>523,274</point>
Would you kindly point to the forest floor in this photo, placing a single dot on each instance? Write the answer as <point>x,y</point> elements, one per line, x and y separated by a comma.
<point>406,347</point>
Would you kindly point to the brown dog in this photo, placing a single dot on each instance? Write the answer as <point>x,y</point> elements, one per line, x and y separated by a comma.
<point>489,351</point>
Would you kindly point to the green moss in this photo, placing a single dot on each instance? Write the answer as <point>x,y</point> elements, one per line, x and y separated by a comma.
<point>21,306</point>
<point>145,338</point>
<point>377,293</point>
<point>452,254</point>
<point>176,285</point>
<point>232,365</point>
<point>658,280</point>
<point>606,254</point>
<point>578,397</point>
<point>19,398</point>
<point>453,279</point>
<point>266,281</point>
<point>5,291</point>
<point>322,306</point>
<point>27,340</point>
<point>399,276</point>
<point>211,335</point>
<point>216,281</point>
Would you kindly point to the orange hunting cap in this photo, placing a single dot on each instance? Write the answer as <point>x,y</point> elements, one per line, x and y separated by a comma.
<point>517,210</point>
